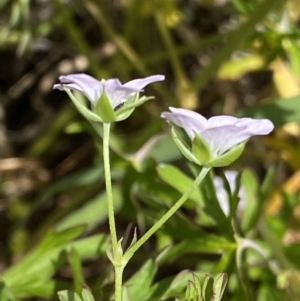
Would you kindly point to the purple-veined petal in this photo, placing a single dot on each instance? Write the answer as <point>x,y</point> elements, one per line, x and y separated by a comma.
<point>140,83</point>
<point>86,84</point>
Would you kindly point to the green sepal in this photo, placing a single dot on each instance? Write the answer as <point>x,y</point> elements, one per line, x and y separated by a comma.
<point>126,110</point>
<point>134,239</point>
<point>198,286</point>
<point>119,254</point>
<point>183,147</point>
<point>88,114</point>
<point>117,257</point>
<point>228,157</point>
<point>104,109</point>
<point>208,288</point>
<point>191,292</point>
<point>201,150</point>
<point>110,255</point>
<point>220,282</point>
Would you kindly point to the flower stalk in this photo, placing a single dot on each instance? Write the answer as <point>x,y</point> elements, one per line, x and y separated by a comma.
<point>130,252</point>
<point>110,202</point>
<point>118,282</point>
<point>118,267</point>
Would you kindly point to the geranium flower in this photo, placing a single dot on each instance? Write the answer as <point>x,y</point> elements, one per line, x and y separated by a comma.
<point>107,97</point>
<point>216,141</point>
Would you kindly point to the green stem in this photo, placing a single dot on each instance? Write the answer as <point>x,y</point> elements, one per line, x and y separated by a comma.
<point>130,252</point>
<point>118,282</point>
<point>110,203</point>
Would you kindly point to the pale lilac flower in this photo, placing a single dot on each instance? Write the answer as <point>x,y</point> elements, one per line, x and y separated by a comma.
<point>217,136</point>
<point>116,92</point>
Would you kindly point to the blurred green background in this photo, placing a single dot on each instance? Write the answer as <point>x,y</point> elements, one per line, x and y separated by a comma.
<point>238,57</point>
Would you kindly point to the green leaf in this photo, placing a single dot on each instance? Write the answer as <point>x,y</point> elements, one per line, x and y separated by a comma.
<point>74,180</point>
<point>75,263</point>
<point>41,288</point>
<point>5,293</point>
<point>139,284</point>
<point>180,181</point>
<point>68,296</point>
<point>125,294</point>
<point>205,243</point>
<point>59,238</point>
<point>88,114</point>
<point>172,286</point>
<point>44,260</point>
<point>87,295</point>
<point>92,213</point>
<point>160,147</point>
<point>39,266</point>
<point>251,212</point>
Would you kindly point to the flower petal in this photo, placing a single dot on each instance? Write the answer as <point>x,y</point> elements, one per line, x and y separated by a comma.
<point>140,83</point>
<point>223,134</point>
<point>222,120</point>
<point>223,138</point>
<point>256,126</point>
<point>190,121</point>
<point>86,84</point>
<point>118,93</point>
